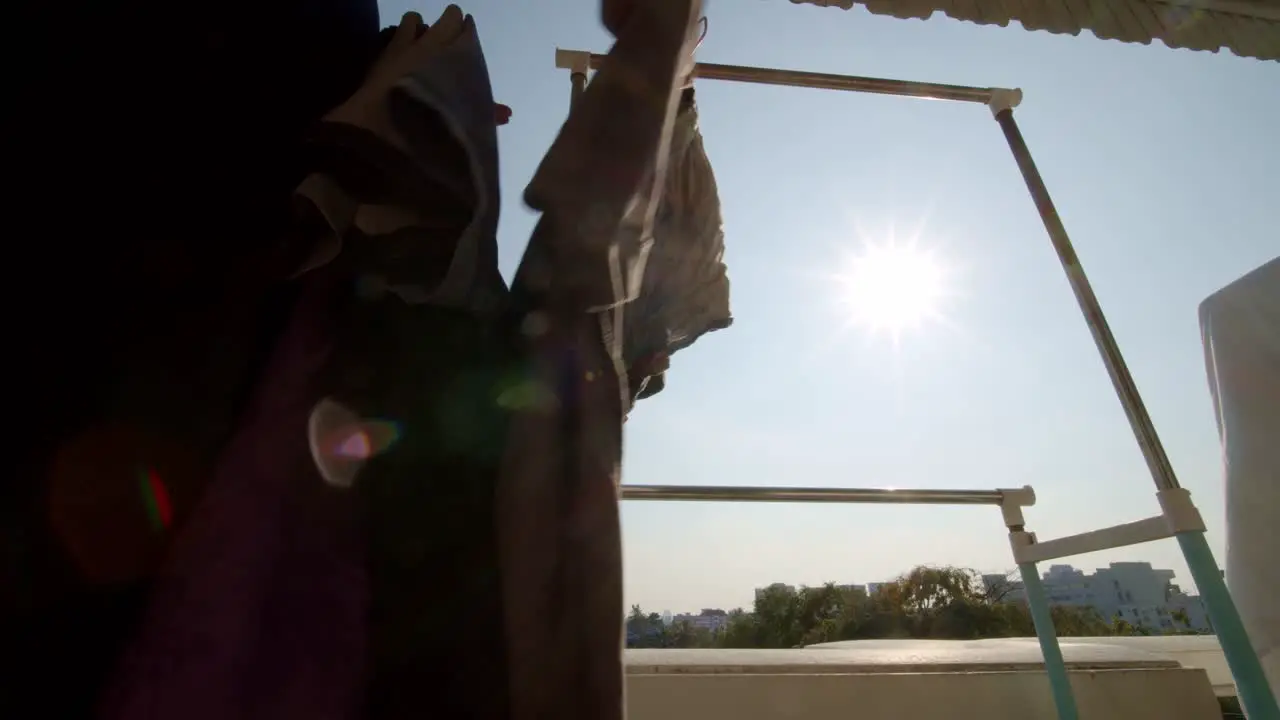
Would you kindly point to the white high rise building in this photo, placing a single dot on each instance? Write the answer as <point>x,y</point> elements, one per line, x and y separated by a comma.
<point>1132,591</point>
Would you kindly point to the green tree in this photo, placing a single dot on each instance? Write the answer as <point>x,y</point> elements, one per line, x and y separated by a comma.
<point>927,602</point>
<point>1078,621</point>
<point>1000,588</point>
<point>927,589</point>
<point>684,634</point>
<point>1180,616</point>
<point>1120,626</point>
<point>742,630</point>
<point>644,630</point>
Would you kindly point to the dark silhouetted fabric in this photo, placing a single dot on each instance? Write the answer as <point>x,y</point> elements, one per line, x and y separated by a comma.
<point>471,565</point>
<point>157,146</point>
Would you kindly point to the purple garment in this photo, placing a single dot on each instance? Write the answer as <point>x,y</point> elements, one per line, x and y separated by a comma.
<point>558,527</point>
<point>259,612</point>
<point>265,611</point>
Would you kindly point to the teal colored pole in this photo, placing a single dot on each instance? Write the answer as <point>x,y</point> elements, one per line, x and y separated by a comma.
<point>1255,693</point>
<point>1251,683</point>
<point>1054,665</point>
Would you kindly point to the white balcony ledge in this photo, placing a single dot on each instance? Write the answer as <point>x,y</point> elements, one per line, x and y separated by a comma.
<point>1113,678</point>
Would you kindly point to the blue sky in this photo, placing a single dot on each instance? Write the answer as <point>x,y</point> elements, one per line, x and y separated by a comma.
<point>1162,167</point>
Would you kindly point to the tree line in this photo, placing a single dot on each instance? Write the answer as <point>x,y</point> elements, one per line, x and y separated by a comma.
<point>927,602</point>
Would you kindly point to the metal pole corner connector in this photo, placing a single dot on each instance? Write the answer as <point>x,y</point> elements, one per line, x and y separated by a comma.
<point>1179,511</point>
<point>1012,500</point>
<point>575,61</point>
<point>1004,99</point>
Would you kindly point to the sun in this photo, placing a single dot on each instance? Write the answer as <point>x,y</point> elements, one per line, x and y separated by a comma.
<point>892,288</point>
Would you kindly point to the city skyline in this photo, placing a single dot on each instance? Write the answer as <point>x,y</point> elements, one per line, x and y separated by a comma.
<point>1056,577</point>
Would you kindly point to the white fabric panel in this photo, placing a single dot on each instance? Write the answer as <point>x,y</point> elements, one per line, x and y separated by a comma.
<point>1240,325</point>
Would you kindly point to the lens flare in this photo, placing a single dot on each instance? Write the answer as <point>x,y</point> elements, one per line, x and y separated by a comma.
<point>341,442</point>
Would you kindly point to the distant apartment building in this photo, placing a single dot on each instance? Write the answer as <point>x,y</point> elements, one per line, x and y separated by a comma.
<point>1196,614</point>
<point>712,620</point>
<point>1132,591</point>
<point>868,588</point>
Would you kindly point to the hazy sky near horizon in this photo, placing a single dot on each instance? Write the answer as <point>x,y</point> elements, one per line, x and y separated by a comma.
<point>1163,166</point>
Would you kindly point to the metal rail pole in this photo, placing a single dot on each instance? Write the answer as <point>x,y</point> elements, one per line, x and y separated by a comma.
<point>1139,420</point>
<point>1255,692</point>
<point>715,493</point>
<point>1041,615</point>
<point>1054,664</point>
<point>574,60</point>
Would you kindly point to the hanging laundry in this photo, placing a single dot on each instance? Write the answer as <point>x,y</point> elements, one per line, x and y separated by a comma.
<point>559,539</point>
<point>685,291</point>
<point>1240,331</point>
<point>471,565</point>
